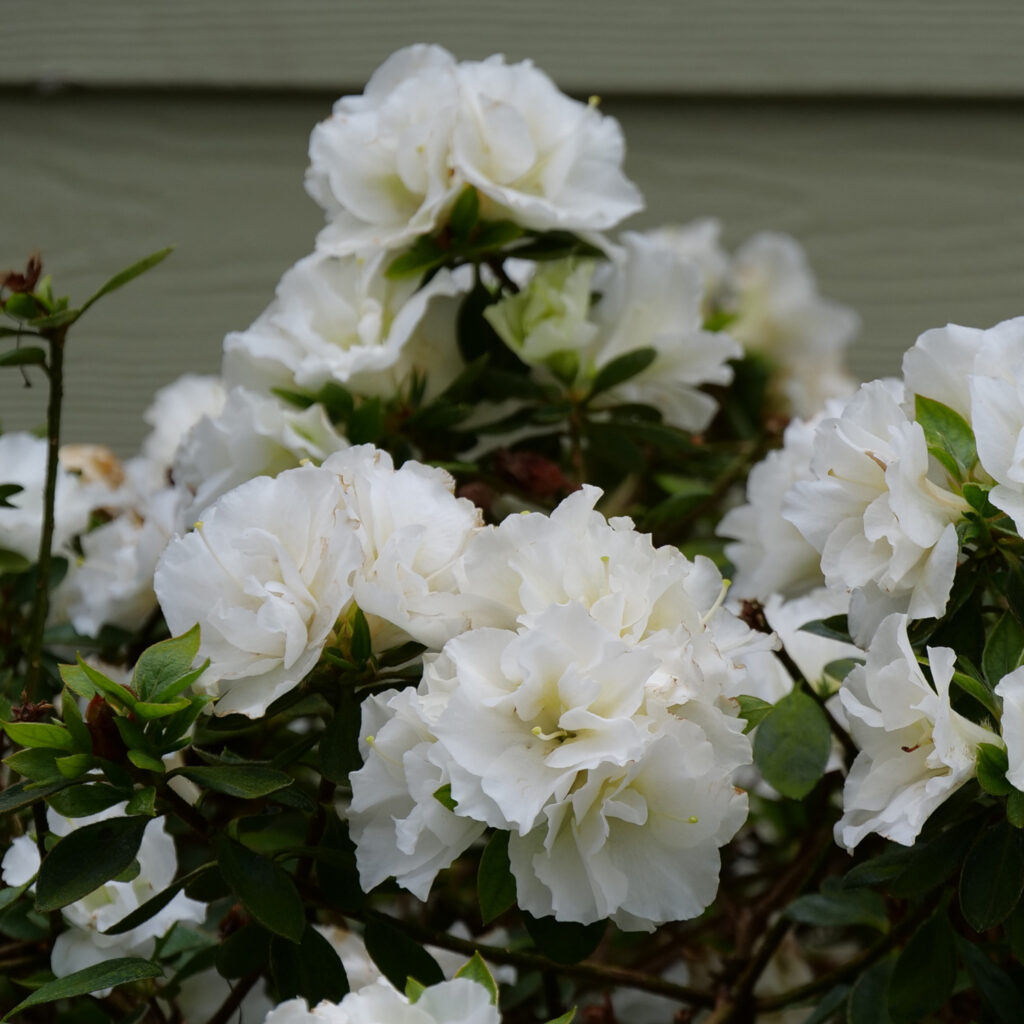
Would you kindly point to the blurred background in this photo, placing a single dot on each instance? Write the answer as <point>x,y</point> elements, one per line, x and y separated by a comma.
<point>886,135</point>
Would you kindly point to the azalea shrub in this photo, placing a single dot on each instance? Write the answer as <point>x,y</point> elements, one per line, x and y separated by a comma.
<point>528,624</point>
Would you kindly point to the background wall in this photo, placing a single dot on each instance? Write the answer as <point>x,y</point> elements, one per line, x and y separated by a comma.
<point>887,135</point>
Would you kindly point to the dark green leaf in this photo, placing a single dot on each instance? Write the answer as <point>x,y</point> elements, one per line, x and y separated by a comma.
<point>30,356</point>
<point>339,744</point>
<point>924,973</point>
<point>38,764</point>
<point>248,781</point>
<point>992,767</point>
<point>464,215</point>
<point>366,422</point>
<point>150,710</point>
<point>311,970</point>
<point>160,667</point>
<point>753,710</point>
<point>9,491</point>
<point>61,318</point>
<point>22,306</point>
<point>399,957</point>
<point>39,734</point>
<point>621,369</point>
<point>244,952</point>
<point>424,255</point>
<point>84,800</point>
<point>835,627</point>
<point>86,858</point>
<point>109,974</point>
<point>792,745</point>
<point>496,887</point>
<point>1015,809</point>
<point>840,908</point>
<point>264,889</point>
<point>362,645</point>
<point>1004,649</point>
<point>869,997</point>
<point>829,1007</point>
<point>143,801</point>
<point>992,982</point>
<point>495,235</point>
<point>993,876</point>
<point>443,795</point>
<point>563,941</point>
<point>476,970</point>
<point>13,563</point>
<point>73,720</point>
<point>946,430</point>
<point>1014,928</point>
<point>840,668</point>
<point>20,795</point>
<point>339,876</point>
<point>129,274</point>
<point>934,862</point>
<point>117,694</point>
<point>978,690</point>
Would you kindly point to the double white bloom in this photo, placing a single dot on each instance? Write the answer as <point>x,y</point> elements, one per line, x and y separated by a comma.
<point>389,164</point>
<point>585,712</point>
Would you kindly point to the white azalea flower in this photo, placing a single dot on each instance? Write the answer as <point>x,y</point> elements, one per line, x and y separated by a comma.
<point>398,826</point>
<point>266,575</point>
<point>83,943</point>
<point>175,409</point>
<point>997,414</point>
<point>651,297</point>
<point>780,313</point>
<point>770,554</point>
<point>699,242</point>
<point>23,462</point>
<point>939,366</point>
<point>459,1001</point>
<point>413,532</point>
<point>915,750</point>
<point>1011,690</point>
<point>338,319</point>
<point>253,435</point>
<point>885,529</point>
<point>380,166</point>
<point>538,157</point>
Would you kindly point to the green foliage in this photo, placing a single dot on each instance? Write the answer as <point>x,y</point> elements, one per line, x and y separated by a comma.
<point>792,745</point>
<point>496,888</point>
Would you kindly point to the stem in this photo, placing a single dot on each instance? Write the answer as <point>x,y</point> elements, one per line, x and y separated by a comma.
<point>233,1001</point>
<point>55,371</point>
<point>597,974</point>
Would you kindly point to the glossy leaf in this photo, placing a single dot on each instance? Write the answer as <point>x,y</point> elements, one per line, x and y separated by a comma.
<point>311,970</point>
<point>263,888</point>
<point>248,781</point>
<point>792,745</point>
<point>869,997</point>
<point>1004,649</point>
<point>925,971</point>
<point>563,941</point>
<point>399,957</point>
<point>39,734</point>
<point>162,665</point>
<point>992,982</point>
<point>476,970</point>
<point>496,886</point>
<point>993,876</point>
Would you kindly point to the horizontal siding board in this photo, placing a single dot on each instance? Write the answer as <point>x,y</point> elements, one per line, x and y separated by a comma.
<point>913,215</point>
<point>721,47</point>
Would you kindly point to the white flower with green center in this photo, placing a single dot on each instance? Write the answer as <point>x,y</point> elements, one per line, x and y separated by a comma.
<point>266,575</point>
<point>915,750</point>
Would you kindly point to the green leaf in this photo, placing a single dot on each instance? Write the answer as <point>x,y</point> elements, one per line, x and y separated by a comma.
<point>264,889</point>
<point>73,720</point>
<point>146,761</point>
<point>947,431</point>
<point>993,876</point>
<point>495,884</point>
<point>565,942</point>
<point>20,795</point>
<point>443,795</point>
<point>1004,649</point>
<point>30,356</point>
<point>424,255</point>
<point>476,970</point>
<point>311,970</point>
<point>366,423</point>
<point>413,990</point>
<point>9,491</point>
<point>38,734</point>
<point>869,1002</point>
<point>160,667</point>
<point>143,801</point>
<point>399,957</point>
<point>362,644</point>
<point>932,863</point>
<point>129,274</point>
<point>621,369</point>
<point>339,744</point>
<point>87,858</point>
<point>753,710</point>
<point>84,800</point>
<point>792,745</point>
<point>117,694</point>
<point>1015,809</point>
<point>840,908</point>
<point>925,971</point>
<point>566,1018</point>
<point>22,306</point>
<point>979,691</point>
<point>827,1009</point>
<point>13,563</point>
<point>244,952</point>
<point>464,214</point>
<point>149,710</point>
<point>835,627</point>
<point>992,767</point>
<point>992,982</point>
<point>108,974</point>
<point>61,318</point>
<point>38,764</point>
<point>248,781</point>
